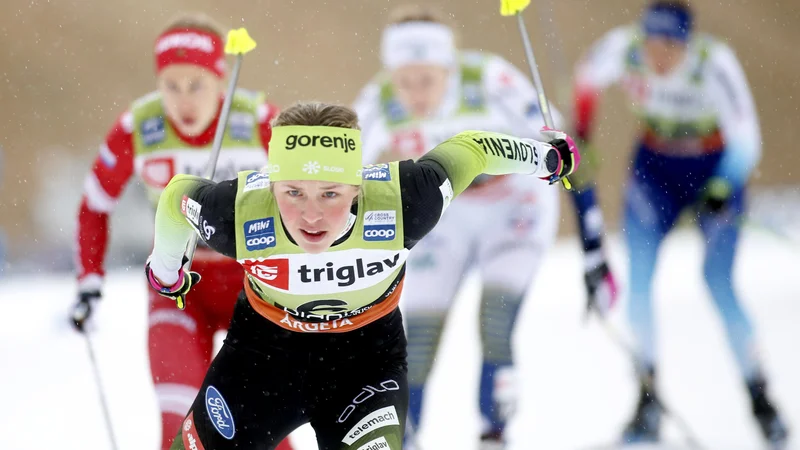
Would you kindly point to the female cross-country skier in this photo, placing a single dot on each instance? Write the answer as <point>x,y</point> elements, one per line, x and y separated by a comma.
<point>428,91</point>
<point>316,335</point>
<point>162,134</point>
<point>699,143</point>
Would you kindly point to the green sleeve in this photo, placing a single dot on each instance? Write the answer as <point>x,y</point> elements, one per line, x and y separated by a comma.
<point>176,209</point>
<point>471,153</point>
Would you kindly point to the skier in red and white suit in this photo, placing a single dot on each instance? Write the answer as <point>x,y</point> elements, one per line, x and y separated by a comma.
<point>164,133</point>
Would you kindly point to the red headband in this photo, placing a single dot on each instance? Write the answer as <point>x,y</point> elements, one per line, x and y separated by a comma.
<point>190,46</point>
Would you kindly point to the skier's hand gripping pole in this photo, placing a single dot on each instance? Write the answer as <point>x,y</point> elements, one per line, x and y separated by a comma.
<point>238,43</point>
<point>515,8</point>
<point>177,292</point>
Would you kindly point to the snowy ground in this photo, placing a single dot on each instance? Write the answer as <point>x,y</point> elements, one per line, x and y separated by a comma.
<point>578,387</point>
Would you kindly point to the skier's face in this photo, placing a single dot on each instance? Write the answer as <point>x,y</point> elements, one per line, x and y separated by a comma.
<point>314,212</point>
<point>420,87</point>
<point>191,96</point>
<point>662,55</point>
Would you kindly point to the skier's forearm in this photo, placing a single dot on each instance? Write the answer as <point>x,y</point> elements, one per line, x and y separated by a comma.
<point>742,148</point>
<point>92,240</point>
<point>590,218</point>
<point>172,230</point>
<point>471,153</point>
<point>738,117</point>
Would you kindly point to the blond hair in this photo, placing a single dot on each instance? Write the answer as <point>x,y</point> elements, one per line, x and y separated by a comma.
<point>195,21</point>
<point>317,114</point>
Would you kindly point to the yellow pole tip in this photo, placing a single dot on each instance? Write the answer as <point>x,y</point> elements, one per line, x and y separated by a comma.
<point>513,7</point>
<point>239,42</point>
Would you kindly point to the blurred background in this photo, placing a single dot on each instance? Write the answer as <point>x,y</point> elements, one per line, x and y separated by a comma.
<point>69,68</point>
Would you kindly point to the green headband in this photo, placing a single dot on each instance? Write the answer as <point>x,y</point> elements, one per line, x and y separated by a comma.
<point>315,153</point>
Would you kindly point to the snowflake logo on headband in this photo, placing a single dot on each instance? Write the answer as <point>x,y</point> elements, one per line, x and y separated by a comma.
<point>311,167</point>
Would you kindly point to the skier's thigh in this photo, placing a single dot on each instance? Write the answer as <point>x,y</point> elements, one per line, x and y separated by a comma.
<point>436,265</point>
<point>514,245</point>
<point>246,402</point>
<point>367,412</point>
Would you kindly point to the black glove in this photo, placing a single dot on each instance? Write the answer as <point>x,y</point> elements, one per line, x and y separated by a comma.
<point>716,195</point>
<point>568,158</point>
<point>601,285</point>
<point>601,289</point>
<point>82,310</point>
<point>186,281</point>
<point>567,161</point>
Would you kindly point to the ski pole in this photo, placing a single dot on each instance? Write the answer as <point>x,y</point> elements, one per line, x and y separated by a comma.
<point>101,392</point>
<point>238,43</point>
<point>562,96</point>
<point>617,338</point>
<point>515,8</point>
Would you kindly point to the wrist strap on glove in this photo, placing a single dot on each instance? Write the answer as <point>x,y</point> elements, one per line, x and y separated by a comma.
<point>178,291</point>
<point>165,289</point>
